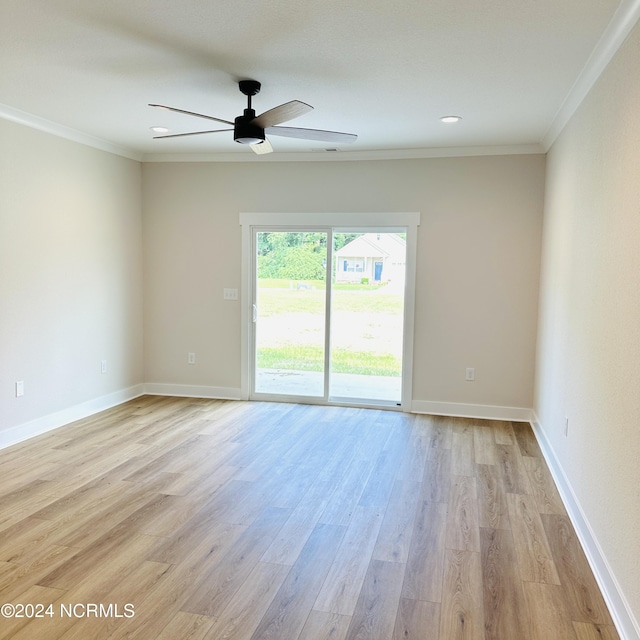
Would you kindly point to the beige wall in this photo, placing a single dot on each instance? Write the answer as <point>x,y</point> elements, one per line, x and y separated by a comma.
<point>70,274</point>
<point>477,270</point>
<point>589,337</point>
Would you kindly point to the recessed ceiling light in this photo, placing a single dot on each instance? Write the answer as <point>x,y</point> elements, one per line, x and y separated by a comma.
<point>159,129</point>
<point>450,119</point>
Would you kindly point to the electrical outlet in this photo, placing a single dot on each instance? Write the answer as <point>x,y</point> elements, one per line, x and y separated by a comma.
<point>470,374</point>
<point>19,388</point>
<point>103,366</point>
<point>566,426</point>
<point>191,358</point>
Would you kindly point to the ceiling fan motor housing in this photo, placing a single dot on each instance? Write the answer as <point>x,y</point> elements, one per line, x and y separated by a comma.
<point>245,132</point>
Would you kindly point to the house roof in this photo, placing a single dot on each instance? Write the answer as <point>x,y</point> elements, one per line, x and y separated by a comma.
<point>374,245</point>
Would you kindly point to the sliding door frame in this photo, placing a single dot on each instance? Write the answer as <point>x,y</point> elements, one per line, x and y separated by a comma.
<point>383,222</point>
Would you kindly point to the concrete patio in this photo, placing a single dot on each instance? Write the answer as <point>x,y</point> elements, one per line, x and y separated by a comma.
<point>342,385</point>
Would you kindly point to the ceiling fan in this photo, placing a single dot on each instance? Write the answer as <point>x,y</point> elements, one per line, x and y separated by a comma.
<point>251,129</point>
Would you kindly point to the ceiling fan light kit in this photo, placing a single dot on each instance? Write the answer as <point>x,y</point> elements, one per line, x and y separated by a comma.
<point>251,129</point>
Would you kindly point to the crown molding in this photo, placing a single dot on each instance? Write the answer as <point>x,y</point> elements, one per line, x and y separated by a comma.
<point>376,154</point>
<point>42,124</point>
<point>623,21</point>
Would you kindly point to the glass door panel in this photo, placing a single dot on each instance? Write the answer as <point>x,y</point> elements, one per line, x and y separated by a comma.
<point>290,313</point>
<point>367,316</point>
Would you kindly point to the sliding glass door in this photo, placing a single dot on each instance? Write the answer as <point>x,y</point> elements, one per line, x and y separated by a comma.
<point>328,315</point>
<point>367,316</point>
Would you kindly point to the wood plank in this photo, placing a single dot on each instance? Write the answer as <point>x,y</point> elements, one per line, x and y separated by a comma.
<point>547,616</point>
<point>252,499</point>
<point>416,454</point>
<point>526,439</point>
<point>324,626</point>
<point>441,431</point>
<point>186,626</point>
<point>240,618</point>
<point>514,474</point>
<point>158,602</point>
<point>203,534</point>
<point>395,534</point>
<point>417,620</point>
<point>532,548</point>
<point>14,626</point>
<point>505,611</point>
<point>342,503</point>
<point>493,512</point>
<point>124,511</point>
<point>23,509</point>
<point>12,497</point>
<point>462,454</point>
<point>291,539</point>
<point>587,631</point>
<point>342,585</point>
<point>213,591</point>
<point>15,579</point>
<point>376,610</point>
<point>462,518</point>
<point>462,615</point>
<point>503,433</point>
<point>543,488</point>
<point>425,565</point>
<point>116,551</point>
<point>288,612</point>
<point>583,598</point>
<point>22,540</point>
<point>461,425</point>
<point>108,584</point>
<point>484,445</point>
<point>141,579</point>
<point>436,483</point>
<point>378,488</point>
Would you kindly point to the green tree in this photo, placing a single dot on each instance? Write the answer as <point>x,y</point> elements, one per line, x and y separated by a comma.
<point>303,263</point>
<point>296,255</point>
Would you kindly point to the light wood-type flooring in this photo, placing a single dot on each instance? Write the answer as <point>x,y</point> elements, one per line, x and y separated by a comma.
<point>216,520</point>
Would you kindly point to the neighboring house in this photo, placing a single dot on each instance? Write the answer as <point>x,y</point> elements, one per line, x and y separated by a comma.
<point>378,257</point>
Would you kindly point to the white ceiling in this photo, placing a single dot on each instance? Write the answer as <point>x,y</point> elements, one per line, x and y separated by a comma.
<point>386,70</point>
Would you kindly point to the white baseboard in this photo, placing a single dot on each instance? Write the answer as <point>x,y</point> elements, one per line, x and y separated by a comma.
<point>51,421</point>
<point>479,411</point>
<point>626,624</point>
<point>191,391</point>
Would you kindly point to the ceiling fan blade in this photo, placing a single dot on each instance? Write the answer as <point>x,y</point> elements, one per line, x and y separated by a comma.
<point>262,147</point>
<point>283,113</point>
<point>190,113</point>
<point>311,134</point>
<point>193,133</point>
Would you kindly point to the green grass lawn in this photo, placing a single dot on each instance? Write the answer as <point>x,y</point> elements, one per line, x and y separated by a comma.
<point>292,333</point>
<point>273,283</point>
<point>310,358</point>
<point>355,298</point>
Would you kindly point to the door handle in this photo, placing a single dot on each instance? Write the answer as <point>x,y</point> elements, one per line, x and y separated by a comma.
<point>255,313</point>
